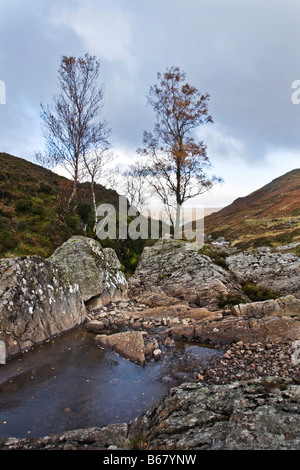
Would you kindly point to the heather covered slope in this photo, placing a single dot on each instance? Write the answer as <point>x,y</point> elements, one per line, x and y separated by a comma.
<point>270,215</point>
<point>33,219</point>
<point>33,215</point>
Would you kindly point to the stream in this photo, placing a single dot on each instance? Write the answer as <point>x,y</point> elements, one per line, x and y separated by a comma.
<point>69,383</point>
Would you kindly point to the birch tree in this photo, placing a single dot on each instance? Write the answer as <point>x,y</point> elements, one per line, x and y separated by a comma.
<point>73,125</point>
<point>176,162</point>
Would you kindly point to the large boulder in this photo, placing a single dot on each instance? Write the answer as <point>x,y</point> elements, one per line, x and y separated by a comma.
<point>43,298</point>
<point>179,270</point>
<point>277,271</point>
<point>262,414</point>
<point>129,344</point>
<point>96,270</point>
<point>38,300</point>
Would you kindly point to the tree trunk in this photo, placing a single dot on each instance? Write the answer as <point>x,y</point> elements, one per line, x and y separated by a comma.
<point>73,196</point>
<point>94,205</point>
<point>177,229</point>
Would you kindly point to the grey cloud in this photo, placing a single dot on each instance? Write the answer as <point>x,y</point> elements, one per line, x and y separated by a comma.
<point>29,58</point>
<point>243,53</point>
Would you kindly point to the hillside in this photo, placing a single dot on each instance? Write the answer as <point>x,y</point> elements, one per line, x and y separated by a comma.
<point>268,216</point>
<point>33,216</point>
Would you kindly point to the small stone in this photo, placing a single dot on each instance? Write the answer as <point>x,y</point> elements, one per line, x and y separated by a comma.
<point>69,446</point>
<point>123,304</point>
<point>157,354</point>
<point>95,325</point>
<point>169,342</point>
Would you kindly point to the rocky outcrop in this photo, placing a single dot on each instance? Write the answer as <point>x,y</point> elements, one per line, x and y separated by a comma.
<point>180,271</point>
<point>38,300</point>
<point>271,320</point>
<point>288,306</point>
<point>83,439</point>
<point>175,280</point>
<point>43,298</point>
<point>242,329</point>
<point>277,271</point>
<point>261,414</point>
<point>179,290</point>
<point>154,296</point>
<point>96,270</point>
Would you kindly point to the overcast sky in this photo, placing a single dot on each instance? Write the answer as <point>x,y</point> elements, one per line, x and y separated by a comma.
<point>244,53</point>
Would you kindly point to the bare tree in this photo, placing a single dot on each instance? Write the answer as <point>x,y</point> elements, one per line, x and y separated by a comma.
<point>177,163</point>
<point>95,167</point>
<point>73,125</point>
<point>135,185</point>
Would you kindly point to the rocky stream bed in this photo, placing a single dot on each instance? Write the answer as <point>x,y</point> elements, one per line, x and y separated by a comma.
<point>244,395</point>
<point>235,385</point>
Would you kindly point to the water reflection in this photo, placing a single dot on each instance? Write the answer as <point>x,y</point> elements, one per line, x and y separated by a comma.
<point>70,383</point>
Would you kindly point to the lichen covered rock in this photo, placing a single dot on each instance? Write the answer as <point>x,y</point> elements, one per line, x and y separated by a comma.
<point>180,271</point>
<point>38,300</point>
<point>262,414</point>
<point>277,271</point>
<point>96,270</point>
<point>43,298</point>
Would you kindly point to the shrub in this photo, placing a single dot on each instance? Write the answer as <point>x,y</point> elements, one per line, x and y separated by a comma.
<point>287,237</point>
<point>84,211</point>
<point>71,219</point>
<point>296,250</point>
<point>230,299</point>
<point>37,209</point>
<point>23,205</point>
<point>258,293</point>
<point>46,188</point>
<point>216,256</point>
<point>8,240</point>
<point>262,241</point>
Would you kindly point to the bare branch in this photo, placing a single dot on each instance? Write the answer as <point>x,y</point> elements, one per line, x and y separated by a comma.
<point>72,125</point>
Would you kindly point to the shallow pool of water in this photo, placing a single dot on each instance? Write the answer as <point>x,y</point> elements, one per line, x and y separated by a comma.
<point>70,383</point>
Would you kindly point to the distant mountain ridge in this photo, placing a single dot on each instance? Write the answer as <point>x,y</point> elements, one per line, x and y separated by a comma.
<point>270,214</point>
<point>33,220</point>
